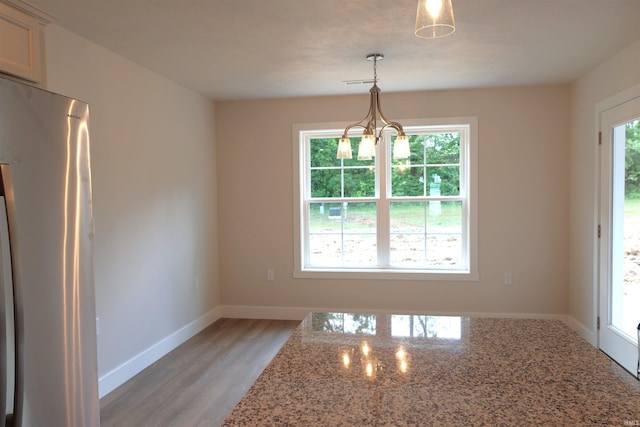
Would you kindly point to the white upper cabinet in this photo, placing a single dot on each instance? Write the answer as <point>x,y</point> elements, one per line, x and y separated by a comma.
<point>22,41</point>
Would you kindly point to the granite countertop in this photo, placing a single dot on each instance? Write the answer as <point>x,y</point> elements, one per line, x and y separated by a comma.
<point>341,369</point>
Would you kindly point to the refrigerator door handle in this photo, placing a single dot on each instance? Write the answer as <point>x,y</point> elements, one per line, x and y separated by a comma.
<point>12,418</point>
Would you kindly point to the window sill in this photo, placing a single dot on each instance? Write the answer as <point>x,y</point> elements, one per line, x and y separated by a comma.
<point>386,274</point>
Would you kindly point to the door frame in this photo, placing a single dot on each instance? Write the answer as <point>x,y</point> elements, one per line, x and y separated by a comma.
<point>619,99</point>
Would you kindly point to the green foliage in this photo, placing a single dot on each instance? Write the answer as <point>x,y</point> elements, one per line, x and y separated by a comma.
<point>434,166</point>
<point>632,159</point>
<point>329,177</point>
<point>427,173</point>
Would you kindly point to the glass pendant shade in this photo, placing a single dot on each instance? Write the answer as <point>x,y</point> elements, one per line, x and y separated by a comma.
<point>344,149</point>
<point>367,148</point>
<point>401,147</point>
<point>434,19</point>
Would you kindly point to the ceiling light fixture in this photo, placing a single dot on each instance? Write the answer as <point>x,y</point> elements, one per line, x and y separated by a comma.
<point>434,19</point>
<point>369,140</point>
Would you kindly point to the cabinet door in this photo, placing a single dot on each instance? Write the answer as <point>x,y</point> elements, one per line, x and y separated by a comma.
<point>20,44</point>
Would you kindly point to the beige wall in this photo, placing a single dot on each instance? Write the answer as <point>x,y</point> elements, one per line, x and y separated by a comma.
<point>613,76</point>
<point>523,203</point>
<point>154,188</point>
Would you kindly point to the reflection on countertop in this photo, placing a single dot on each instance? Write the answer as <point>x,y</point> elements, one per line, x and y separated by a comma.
<point>361,339</point>
<point>384,369</point>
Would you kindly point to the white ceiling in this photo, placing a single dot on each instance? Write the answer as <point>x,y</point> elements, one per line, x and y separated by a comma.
<point>235,49</point>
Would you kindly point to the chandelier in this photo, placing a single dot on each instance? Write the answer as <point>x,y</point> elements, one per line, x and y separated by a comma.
<point>434,19</point>
<point>369,140</point>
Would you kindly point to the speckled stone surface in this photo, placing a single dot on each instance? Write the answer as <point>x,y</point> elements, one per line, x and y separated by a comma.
<point>450,371</point>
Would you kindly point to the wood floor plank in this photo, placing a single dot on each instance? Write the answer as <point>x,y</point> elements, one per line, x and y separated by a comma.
<point>200,382</point>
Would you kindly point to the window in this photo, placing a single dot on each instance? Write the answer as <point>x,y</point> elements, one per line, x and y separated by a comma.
<point>385,218</point>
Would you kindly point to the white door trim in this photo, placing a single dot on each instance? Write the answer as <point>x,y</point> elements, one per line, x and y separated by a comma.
<point>607,338</point>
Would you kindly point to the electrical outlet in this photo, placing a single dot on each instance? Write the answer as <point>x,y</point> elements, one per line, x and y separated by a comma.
<point>507,278</point>
<point>270,274</point>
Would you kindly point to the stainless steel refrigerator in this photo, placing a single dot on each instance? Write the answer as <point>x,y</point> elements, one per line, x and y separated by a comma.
<point>48,359</point>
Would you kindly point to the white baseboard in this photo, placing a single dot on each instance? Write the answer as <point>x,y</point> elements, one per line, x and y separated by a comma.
<point>586,333</point>
<point>118,376</point>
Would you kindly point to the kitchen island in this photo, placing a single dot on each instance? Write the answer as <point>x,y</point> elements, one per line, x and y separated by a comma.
<point>342,369</point>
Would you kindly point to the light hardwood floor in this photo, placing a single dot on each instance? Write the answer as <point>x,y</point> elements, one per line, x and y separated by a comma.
<point>200,382</point>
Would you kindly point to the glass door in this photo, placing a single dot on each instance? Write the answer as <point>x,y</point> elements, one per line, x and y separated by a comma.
<point>619,311</point>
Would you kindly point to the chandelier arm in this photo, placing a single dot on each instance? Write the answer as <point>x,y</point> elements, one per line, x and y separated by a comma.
<point>368,119</point>
<point>354,125</point>
<point>392,125</point>
<point>388,123</point>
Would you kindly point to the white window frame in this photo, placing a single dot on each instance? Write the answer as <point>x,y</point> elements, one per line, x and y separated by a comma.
<point>468,190</point>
